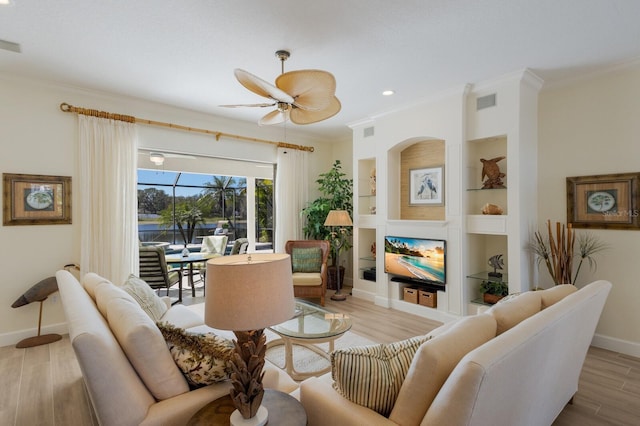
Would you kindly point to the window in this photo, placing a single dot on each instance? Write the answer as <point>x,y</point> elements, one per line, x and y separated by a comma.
<point>181,207</point>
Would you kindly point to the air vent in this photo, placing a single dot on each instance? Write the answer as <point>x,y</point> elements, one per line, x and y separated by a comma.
<point>368,131</point>
<point>486,102</point>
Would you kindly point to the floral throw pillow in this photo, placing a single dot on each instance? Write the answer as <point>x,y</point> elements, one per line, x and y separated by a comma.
<point>202,358</point>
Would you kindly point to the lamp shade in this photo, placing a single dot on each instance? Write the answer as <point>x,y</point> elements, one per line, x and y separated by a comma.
<point>248,291</point>
<point>338,218</point>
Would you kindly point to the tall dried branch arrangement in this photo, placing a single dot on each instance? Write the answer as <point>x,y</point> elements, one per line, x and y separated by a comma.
<point>247,364</point>
<point>558,251</point>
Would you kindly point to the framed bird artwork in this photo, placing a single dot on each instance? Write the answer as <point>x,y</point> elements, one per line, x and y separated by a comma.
<point>426,186</point>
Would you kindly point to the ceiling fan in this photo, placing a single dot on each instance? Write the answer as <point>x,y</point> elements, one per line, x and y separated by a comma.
<point>304,96</point>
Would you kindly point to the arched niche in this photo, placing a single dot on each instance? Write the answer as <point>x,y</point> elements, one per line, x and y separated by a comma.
<point>415,153</point>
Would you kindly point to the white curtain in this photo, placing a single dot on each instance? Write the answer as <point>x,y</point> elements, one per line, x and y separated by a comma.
<point>291,195</point>
<point>108,198</point>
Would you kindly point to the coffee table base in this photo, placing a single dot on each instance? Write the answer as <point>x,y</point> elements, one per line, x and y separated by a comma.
<point>310,344</point>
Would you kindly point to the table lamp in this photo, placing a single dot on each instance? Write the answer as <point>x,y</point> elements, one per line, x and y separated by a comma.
<point>246,293</point>
<point>339,218</point>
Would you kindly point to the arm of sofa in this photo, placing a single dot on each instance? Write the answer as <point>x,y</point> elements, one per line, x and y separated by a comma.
<point>324,406</point>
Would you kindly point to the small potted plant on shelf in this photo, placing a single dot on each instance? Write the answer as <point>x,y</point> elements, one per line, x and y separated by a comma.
<point>493,291</point>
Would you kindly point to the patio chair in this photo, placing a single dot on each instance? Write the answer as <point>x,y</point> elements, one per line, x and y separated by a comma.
<point>154,270</point>
<point>240,246</point>
<point>212,246</point>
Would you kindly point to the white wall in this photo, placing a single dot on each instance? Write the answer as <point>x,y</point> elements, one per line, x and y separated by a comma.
<point>590,127</point>
<point>38,138</point>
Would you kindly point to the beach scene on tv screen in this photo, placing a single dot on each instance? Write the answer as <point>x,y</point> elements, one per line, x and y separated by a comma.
<point>418,258</point>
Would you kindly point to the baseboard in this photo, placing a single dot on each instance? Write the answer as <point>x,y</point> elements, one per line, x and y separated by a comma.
<point>10,339</point>
<point>617,345</point>
<point>361,294</point>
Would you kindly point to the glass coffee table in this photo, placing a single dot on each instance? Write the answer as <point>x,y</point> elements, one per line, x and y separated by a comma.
<point>312,324</point>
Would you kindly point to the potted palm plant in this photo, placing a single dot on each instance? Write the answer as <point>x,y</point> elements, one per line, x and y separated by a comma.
<point>336,194</point>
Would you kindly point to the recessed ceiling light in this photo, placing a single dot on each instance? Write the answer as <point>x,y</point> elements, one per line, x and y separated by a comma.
<point>388,93</point>
<point>6,2</point>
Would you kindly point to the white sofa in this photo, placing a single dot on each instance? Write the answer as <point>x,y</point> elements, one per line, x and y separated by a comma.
<point>129,373</point>
<point>516,364</point>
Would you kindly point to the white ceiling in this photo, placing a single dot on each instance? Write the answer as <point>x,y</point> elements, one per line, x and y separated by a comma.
<point>183,53</point>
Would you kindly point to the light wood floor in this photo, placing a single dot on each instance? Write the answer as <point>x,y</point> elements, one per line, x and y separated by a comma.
<point>43,385</point>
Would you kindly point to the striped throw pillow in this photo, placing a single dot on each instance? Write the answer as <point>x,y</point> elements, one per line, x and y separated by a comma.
<point>371,376</point>
<point>306,259</point>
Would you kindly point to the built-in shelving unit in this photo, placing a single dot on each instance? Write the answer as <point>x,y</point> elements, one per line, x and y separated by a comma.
<point>454,132</point>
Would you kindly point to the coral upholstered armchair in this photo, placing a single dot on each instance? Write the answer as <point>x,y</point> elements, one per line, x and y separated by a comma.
<point>309,267</point>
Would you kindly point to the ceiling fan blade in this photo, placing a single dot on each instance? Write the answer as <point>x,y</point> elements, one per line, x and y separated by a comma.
<point>274,117</point>
<point>301,116</point>
<point>248,105</point>
<point>261,87</point>
<point>311,89</point>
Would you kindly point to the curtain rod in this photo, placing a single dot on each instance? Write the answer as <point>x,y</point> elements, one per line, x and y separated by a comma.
<point>65,107</point>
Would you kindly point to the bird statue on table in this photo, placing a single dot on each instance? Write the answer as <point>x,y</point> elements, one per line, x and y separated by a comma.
<point>491,171</point>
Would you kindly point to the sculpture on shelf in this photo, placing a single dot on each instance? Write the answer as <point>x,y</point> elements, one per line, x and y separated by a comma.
<point>491,171</point>
<point>496,263</point>
<point>372,181</point>
<point>492,209</point>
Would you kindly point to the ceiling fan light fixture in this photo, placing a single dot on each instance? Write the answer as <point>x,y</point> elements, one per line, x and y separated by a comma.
<point>156,158</point>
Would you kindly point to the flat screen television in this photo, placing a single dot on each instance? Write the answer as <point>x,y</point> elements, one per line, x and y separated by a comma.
<point>419,260</point>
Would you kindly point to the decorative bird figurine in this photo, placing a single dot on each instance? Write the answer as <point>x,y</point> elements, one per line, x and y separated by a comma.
<point>39,293</point>
<point>491,171</point>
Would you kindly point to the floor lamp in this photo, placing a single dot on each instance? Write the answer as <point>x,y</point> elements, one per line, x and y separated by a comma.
<point>340,219</point>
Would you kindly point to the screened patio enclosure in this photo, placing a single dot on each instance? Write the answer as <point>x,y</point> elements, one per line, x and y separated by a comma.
<point>179,208</point>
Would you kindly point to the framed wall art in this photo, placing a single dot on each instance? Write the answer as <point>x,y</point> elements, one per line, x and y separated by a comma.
<point>603,201</point>
<point>426,186</point>
<point>36,199</point>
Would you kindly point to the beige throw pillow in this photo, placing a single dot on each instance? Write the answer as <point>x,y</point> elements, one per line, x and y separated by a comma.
<point>148,300</point>
<point>371,376</point>
<point>145,348</point>
<point>514,311</point>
